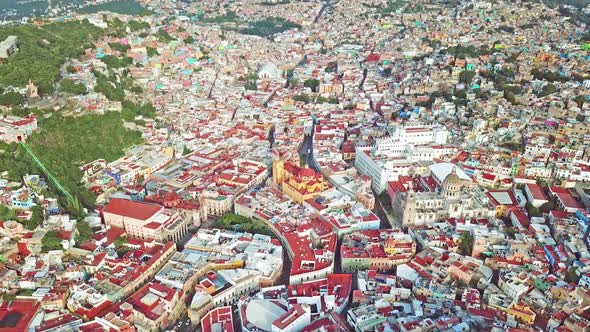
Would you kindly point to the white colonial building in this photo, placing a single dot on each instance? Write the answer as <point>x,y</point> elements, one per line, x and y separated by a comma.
<point>395,155</point>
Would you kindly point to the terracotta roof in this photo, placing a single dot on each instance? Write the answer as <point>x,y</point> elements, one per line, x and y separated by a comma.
<point>17,315</point>
<point>132,209</point>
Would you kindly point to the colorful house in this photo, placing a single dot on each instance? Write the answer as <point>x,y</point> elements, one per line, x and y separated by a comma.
<point>297,182</point>
<point>522,313</point>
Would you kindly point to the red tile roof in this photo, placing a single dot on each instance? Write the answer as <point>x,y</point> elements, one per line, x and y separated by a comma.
<point>221,315</point>
<point>113,233</point>
<point>22,249</point>
<point>16,316</point>
<point>566,198</point>
<point>536,191</point>
<point>132,209</point>
<point>289,317</point>
<point>489,177</point>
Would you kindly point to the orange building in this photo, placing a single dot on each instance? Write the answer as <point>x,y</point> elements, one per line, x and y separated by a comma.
<point>299,183</point>
<point>522,313</point>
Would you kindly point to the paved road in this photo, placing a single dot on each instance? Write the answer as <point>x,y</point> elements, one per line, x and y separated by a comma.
<point>365,72</point>
<point>184,325</point>
<point>291,72</point>
<point>306,149</point>
<point>211,220</point>
<point>387,220</point>
<point>287,263</point>
<point>324,7</point>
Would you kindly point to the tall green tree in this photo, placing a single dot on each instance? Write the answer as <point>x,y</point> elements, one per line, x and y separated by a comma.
<point>71,87</point>
<point>51,241</point>
<point>120,244</point>
<point>466,76</point>
<point>36,218</point>
<point>312,83</point>
<point>466,243</point>
<point>84,232</point>
<point>11,99</point>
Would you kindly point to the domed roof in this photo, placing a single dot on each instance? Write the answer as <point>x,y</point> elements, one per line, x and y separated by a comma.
<point>453,177</point>
<point>441,170</point>
<point>269,70</point>
<point>263,312</point>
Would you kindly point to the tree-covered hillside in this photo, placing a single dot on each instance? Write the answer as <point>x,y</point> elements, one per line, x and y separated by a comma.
<point>43,50</point>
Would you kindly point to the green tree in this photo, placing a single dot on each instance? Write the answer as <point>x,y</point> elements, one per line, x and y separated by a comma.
<point>462,52</point>
<point>251,85</point>
<point>268,26</point>
<point>11,99</point>
<point>127,7</point>
<point>51,241</point>
<point>547,90</point>
<point>65,143</point>
<point>131,110</point>
<point>186,150</point>
<point>331,100</point>
<point>6,213</point>
<point>580,100</point>
<point>312,83</point>
<point>513,146</point>
<point>387,72</point>
<point>303,160</point>
<point>8,297</point>
<point>532,210</point>
<point>71,87</point>
<point>551,76</point>
<point>507,71</point>
<point>111,90</point>
<point>230,16</point>
<point>164,36</point>
<point>466,76</point>
<point>302,97</point>
<point>572,276</point>
<point>293,82</point>
<point>119,47</point>
<point>87,198</point>
<point>84,232</point>
<point>239,223</point>
<point>510,232</point>
<point>189,40</point>
<point>42,51</point>
<point>548,207</point>
<point>542,182</point>
<point>460,94</point>
<point>137,25</point>
<point>466,243</point>
<point>120,244</point>
<point>114,62</point>
<point>36,218</point>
